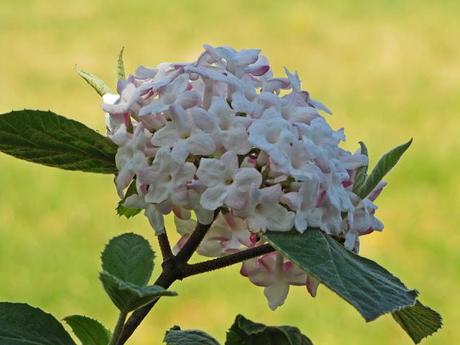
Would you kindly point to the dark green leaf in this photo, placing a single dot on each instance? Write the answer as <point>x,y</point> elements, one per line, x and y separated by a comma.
<point>361,173</point>
<point>127,296</point>
<point>88,331</point>
<point>129,257</point>
<point>246,332</point>
<point>384,165</point>
<point>46,138</point>
<point>370,288</point>
<point>21,324</point>
<point>418,321</point>
<point>121,65</point>
<point>176,336</point>
<point>95,82</point>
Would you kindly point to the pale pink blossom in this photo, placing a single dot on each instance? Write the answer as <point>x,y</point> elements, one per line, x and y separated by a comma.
<point>275,274</point>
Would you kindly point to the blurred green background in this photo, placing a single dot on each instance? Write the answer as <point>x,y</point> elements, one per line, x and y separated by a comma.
<point>389,70</point>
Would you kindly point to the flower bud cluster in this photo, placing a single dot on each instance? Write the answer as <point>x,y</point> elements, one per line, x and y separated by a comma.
<point>222,133</point>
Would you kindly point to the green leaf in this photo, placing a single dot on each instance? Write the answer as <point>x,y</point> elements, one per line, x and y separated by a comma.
<point>176,336</point>
<point>367,286</point>
<point>246,332</point>
<point>384,165</point>
<point>127,296</point>
<point>361,173</point>
<point>46,138</point>
<point>128,212</point>
<point>121,65</point>
<point>95,82</point>
<point>129,257</point>
<point>21,324</point>
<point>418,321</point>
<point>88,331</point>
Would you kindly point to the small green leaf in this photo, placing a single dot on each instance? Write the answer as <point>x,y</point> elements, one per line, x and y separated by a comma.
<point>128,212</point>
<point>176,336</point>
<point>121,65</point>
<point>361,173</point>
<point>418,321</point>
<point>21,324</point>
<point>127,296</point>
<point>95,82</point>
<point>88,331</point>
<point>369,287</point>
<point>47,138</point>
<point>246,332</point>
<point>129,257</point>
<point>384,165</point>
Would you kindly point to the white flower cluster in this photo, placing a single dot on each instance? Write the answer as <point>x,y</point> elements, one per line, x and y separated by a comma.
<point>223,133</point>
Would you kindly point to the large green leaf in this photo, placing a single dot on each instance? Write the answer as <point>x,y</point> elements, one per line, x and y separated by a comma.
<point>95,82</point>
<point>176,336</point>
<point>88,331</point>
<point>369,287</point>
<point>128,296</point>
<point>383,166</point>
<point>418,321</point>
<point>50,139</point>
<point>246,332</point>
<point>21,324</point>
<point>129,257</point>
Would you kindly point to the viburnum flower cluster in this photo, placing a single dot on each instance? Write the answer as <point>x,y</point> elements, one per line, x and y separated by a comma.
<point>223,136</point>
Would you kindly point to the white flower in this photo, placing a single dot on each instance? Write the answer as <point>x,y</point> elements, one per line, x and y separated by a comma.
<point>131,155</point>
<point>169,94</point>
<point>362,222</point>
<point>228,130</point>
<point>126,102</point>
<point>166,179</point>
<point>274,136</point>
<point>226,183</point>
<point>307,213</point>
<point>183,135</point>
<point>154,216</point>
<point>264,212</point>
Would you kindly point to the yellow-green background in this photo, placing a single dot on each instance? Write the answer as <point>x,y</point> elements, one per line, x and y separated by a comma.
<point>389,70</point>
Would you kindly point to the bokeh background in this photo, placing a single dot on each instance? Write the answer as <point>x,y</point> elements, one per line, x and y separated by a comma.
<point>388,69</point>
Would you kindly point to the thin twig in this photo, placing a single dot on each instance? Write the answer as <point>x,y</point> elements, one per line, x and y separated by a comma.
<point>215,264</point>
